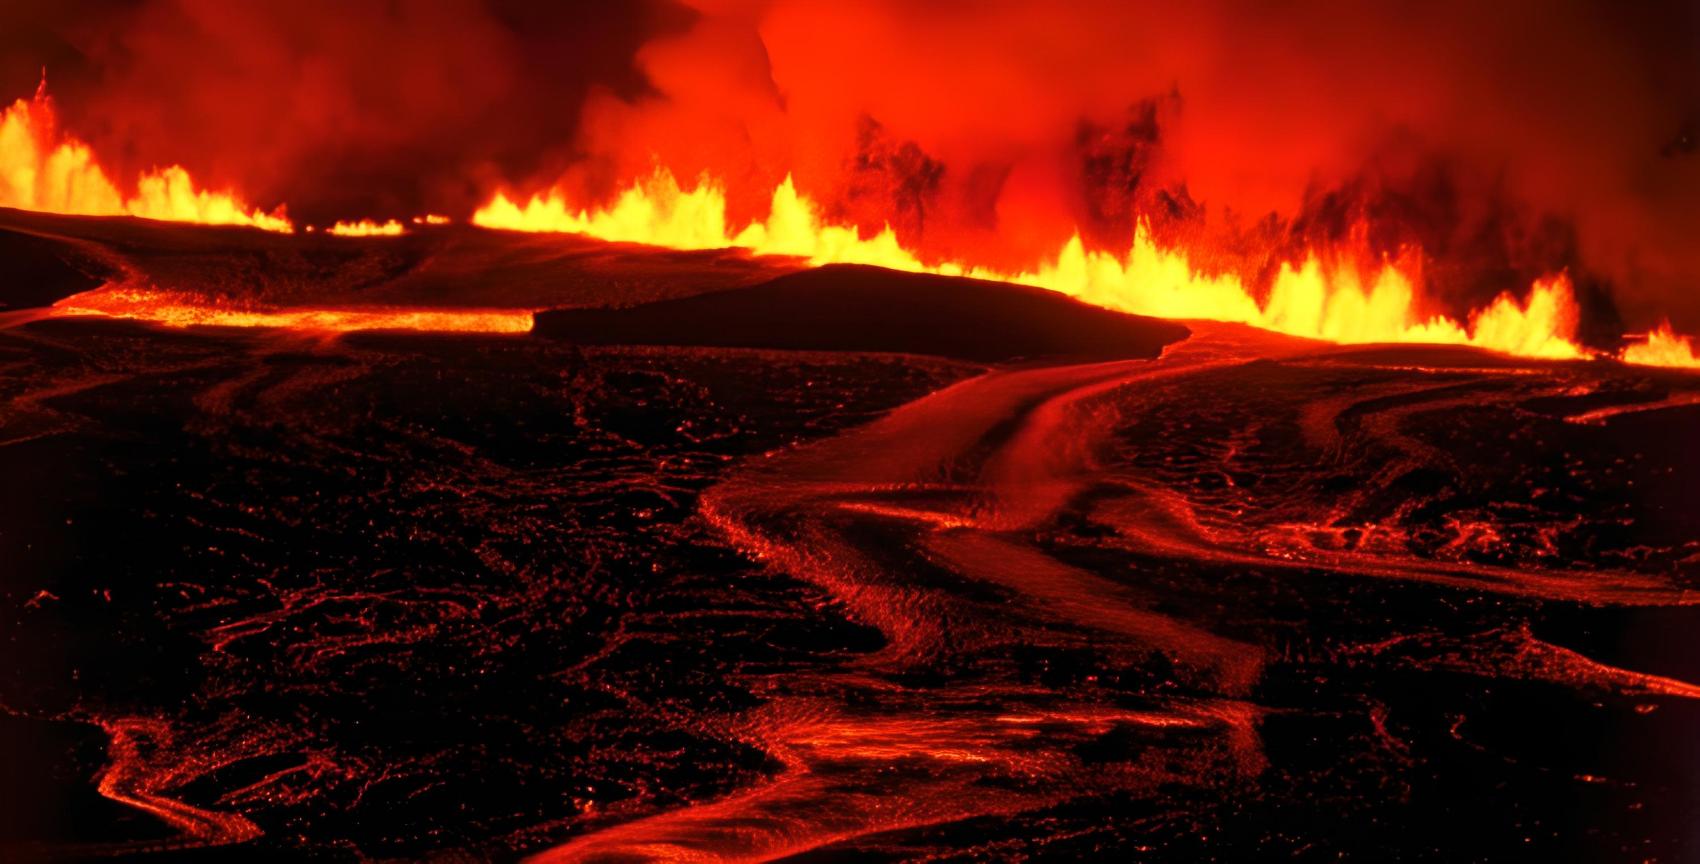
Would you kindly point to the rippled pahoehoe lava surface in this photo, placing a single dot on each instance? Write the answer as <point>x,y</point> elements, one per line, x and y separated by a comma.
<point>397,595</point>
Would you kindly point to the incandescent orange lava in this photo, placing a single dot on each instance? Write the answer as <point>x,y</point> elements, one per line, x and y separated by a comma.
<point>43,169</point>
<point>1663,347</point>
<point>175,310</point>
<point>367,228</point>
<point>1333,295</point>
<point>1342,295</point>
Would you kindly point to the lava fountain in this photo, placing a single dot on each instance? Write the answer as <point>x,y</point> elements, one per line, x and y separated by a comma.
<point>708,431</point>
<point>1353,298</point>
<point>41,168</point>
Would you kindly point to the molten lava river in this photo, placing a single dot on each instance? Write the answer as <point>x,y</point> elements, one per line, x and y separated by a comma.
<point>785,430</point>
<point>1232,595</point>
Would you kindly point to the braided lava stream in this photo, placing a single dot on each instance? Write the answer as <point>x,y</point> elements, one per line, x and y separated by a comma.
<point>932,524</point>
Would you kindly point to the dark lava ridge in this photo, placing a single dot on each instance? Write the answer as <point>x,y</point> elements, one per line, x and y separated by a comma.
<point>844,307</point>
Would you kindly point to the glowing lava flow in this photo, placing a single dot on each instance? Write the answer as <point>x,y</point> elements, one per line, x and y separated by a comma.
<point>367,228</point>
<point>175,310</point>
<point>42,169</point>
<point>137,778</point>
<point>1334,301</point>
<point>1663,348</point>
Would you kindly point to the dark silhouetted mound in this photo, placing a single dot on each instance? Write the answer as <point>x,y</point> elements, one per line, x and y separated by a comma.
<point>854,308</point>
<point>447,265</point>
<point>37,270</point>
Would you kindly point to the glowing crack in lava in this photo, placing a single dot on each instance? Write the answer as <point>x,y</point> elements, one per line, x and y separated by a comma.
<point>1350,299</point>
<point>42,168</point>
<point>175,310</point>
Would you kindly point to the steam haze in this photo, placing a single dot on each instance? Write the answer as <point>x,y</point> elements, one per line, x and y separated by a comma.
<point>1507,140</point>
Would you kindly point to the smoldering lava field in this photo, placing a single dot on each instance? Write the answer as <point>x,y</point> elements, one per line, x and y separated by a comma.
<point>707,575</point>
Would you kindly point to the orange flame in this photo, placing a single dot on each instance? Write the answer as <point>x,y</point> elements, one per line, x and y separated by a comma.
<point>41,169</point>
<point>367,228</point>
<point>1663,347</point>
<point>1332,297</point>
<point>1313,299</point>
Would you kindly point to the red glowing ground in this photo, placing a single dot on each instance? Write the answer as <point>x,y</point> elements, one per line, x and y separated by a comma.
<point>1227,595</point>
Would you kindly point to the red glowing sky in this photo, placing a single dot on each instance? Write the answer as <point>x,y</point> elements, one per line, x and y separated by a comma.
<point>1513,138</point>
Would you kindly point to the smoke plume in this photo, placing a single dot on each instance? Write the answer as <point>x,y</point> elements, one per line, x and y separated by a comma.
<point>1507,139</point>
